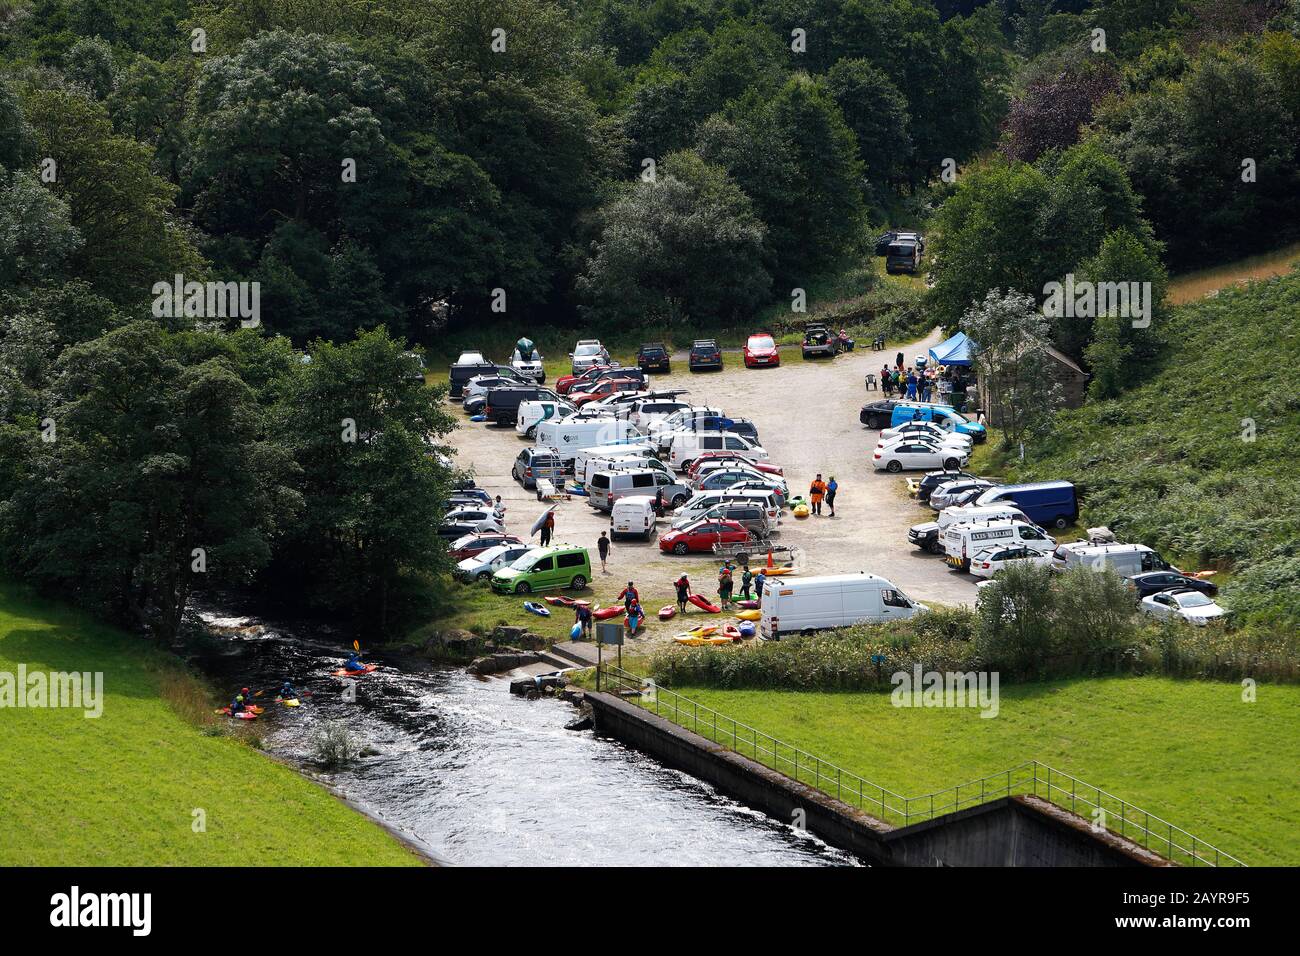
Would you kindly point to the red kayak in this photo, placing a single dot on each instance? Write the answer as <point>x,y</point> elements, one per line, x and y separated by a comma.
<point>361,673</point>
<point>561,600</point>
<point>242,715</point>
<point>605,613</point>
<point>731,631</point>
<point>748,605</point>
<point>703,604</point>
<point>667,612</point>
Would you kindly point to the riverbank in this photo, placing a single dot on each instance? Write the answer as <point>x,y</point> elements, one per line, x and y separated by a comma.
<point>142,785</point>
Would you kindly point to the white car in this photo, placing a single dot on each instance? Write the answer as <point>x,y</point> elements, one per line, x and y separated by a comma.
<point>586,353</point>
<point>913,454</point>
<point>990,561</point>
<point>942,442</point>
<point>486,563</point>
<point>921,429</point>
<point>480,519</point>
<point>1192,606</point>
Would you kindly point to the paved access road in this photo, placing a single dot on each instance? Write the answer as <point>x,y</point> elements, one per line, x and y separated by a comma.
<point>807,419</point>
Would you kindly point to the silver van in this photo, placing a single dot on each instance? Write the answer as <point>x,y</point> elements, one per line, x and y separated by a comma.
<point>606,487</point>
<point>1125,560</point>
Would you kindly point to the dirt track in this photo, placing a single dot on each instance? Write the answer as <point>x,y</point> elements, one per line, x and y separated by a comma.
<point>807,419</point>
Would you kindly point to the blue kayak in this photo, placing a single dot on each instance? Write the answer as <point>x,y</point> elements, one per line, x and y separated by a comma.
<point>535,608</point>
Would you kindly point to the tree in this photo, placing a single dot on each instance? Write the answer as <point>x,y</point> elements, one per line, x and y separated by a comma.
<point>1053,109</point>
<point>89,63</point>
<point>365,433</point>
<point>1119,351</point>
<point>1010,334</point>
<point>684,246</point>
<point>876,110</point>
<point>37,240</point>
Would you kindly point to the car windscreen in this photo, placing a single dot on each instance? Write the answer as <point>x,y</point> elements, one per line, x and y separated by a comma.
<point>1192,600</point>
<point>762,342</point>
<point>587,350</point>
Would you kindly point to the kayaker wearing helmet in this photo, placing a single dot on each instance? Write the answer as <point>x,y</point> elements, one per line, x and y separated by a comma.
<point>237,705</point>
<point>353,663</point>
<point>286,690</point>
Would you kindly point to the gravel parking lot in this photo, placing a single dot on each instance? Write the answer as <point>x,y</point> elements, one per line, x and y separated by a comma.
<point>807,418</point>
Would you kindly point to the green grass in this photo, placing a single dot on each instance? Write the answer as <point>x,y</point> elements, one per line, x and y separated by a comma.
<point>1191,752</point>
<point>120,790</point>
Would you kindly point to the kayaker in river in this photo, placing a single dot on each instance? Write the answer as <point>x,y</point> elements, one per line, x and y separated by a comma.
<point>237,705</point>
<point>353,663</point>
<point>286,690</point>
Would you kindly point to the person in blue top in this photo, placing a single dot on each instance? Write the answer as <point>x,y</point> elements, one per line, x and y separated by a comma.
<point>911,385</point>
<point>237,705</point>
<point>353,663</point>
<point>832,486</point>
<point>759,583</point>
<point>286,690</point>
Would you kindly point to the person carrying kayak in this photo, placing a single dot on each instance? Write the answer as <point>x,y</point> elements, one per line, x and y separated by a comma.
<point>582,617</point>
<point>683,585</point>
<point>629,596</point>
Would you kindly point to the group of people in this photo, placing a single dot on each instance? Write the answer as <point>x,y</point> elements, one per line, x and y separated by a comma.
<point>913,384</point>
<point>243,699</point>
<point>822,492</point>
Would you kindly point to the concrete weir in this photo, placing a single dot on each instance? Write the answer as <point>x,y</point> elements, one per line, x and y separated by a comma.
<point>1009,831</point>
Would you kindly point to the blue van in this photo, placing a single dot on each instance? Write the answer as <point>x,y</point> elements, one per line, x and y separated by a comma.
<point>941,414</point>
<point>1043,502</point>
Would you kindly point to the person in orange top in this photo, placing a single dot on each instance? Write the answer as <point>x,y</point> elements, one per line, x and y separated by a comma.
<point>816,492</point>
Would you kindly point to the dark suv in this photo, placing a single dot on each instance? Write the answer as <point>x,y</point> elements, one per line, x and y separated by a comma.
<point>502,404</point>
<point>705,354</point>
<point>653,357</point>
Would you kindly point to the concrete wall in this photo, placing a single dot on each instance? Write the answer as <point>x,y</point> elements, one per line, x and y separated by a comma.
<point>1012,831</point>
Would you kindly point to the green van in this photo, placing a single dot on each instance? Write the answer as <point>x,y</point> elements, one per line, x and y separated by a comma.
<point>558,566</point>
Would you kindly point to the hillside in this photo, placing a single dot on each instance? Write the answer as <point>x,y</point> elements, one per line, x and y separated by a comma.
<point>121,789</point>
<point>1199,461</point>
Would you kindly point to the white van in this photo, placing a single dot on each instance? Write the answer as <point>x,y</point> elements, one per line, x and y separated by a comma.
<point>704,501</point>
<point>804,605</point>
<point>566,436</point>
<point>962,540</point>
<point>1125,560</point>
<point>625,449</point>
<point>928,535</point>
<point>633,517</point>
<point>608,486</point>
<point>619,463</point>
<point>531,414</point>
<point>685,447</point>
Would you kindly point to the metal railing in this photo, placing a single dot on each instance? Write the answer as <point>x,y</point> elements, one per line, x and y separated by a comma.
<point>1102,809</point>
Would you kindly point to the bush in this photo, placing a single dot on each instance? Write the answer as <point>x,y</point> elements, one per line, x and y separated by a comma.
<point>332,745</point>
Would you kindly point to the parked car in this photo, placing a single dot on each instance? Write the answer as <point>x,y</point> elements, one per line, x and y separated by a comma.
<point>483,519</point>
<point>469,364</point>
<point>962,541</point>
<point>929,534</point>
<point>716,458</point>
<point>703,502</point>
<point>903,255</point>
<point>987,563</point>
<point>702,536</point>
<point>533,463</point>
<point>1185,603</point>
<point>502,406</point>
<point>884,240</point>
<point>1046,502</point>
<point>956,493</point>
<point>566,383</point>
<point>586,353</point>
<point>736,426</point>
<point>480,385</point>
<point>704,355</point>
<point>819,341</point>
<point>805,605</point>
<point>685,446</point>
<point>752,515</point>
<point>615,462</point>
<point>567,436</point>
<point>768,483</point>
<point>469,491</point>
<point>481,566</point>
<point>912,454</point>
<point>651,410</point>
<point>1125,560</point>
<point>633,516</point>
<point>654,357</point>
<point>602,389</point>
<point>944,415</point>
<point>606,487</point>
<point>947,441</point>
<point>924,429</point>
<point>532,414</point>
<point>933,479</point>
<point>527,361</point>
<point>721,478</point>
<point>475,543</point>
<point>540,569</point>
<point>878,414</point>
<point>761,351</point>
<point>1151,582</point>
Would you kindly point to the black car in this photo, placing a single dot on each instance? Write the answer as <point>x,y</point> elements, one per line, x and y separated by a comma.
<point>878,414</point>
<point>1153,582</point>
<point>933,479</point>
<point>502,404</point>
<point>466,367</point>
<point>653,357</point>
<point>705,354</point>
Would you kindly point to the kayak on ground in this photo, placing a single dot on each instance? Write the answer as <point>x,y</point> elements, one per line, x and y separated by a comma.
<point>703,604</point>
<point>534,608</point>
<point>667,612</point>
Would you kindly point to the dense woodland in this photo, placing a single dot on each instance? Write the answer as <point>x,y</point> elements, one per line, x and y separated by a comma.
<point>387,171</point>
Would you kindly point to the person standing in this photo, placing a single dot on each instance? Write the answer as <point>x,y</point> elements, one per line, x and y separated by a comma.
<point>746,582</point>
<point>760,582</point>
<point>548,528</point>
<point>911,386</point>
<point>602,546</point>
<point>582,617</point>
<point>683,585</point>
<point>832,487</point>
<point>724,586</point>
<point>816,491</point>
<point>629,596</point>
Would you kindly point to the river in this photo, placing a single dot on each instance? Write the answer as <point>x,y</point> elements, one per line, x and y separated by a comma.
<point>487,779</point>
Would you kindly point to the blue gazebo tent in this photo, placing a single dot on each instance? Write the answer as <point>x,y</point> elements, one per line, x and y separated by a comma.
<point>957,350</point>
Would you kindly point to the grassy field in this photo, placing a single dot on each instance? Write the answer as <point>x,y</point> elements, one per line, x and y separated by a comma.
<point>1191,752</point>
<point>121,790</point>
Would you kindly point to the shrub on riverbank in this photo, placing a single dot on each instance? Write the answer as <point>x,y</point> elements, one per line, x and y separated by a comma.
<point>1031,625</point>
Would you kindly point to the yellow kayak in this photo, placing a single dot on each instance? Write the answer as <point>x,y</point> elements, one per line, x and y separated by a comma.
<point>777,572</point>
<point>696,640</point>
<point>749,615</point>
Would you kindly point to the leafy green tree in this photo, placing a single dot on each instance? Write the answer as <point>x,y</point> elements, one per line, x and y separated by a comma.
<point>89,64</point>
<point>685,246</point>
<point>37,238</point>
<point>876,110</point>
<point>1118,352</point>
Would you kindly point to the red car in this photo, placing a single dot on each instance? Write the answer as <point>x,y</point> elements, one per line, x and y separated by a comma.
<point>565,383</point>
<point>603,389</point>
<point>702,536</point>
<point>473,544</point>
<point>761,351</point>
<point>726,457</point>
